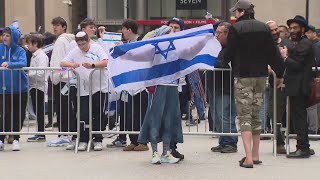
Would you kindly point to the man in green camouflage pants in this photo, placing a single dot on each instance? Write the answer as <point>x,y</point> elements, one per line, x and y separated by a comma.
<point>249,97</point>
<point>250,48</point>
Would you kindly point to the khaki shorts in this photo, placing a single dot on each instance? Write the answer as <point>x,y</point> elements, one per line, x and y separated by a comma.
<point>249,97</point>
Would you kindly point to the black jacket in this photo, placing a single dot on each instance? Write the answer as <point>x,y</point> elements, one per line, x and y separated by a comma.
<point>250,48</point>
<point>220,81</point>
<point>298,73</point>
<point>316,49</point>
<point>284,43</point>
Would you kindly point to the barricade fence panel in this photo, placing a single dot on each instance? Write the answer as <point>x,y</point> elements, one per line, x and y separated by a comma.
<point>28,94</point>
<point>313,119</point>
<point>207,106</point>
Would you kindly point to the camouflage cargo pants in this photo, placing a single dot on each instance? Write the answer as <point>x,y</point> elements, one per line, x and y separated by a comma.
<point>249,97</point>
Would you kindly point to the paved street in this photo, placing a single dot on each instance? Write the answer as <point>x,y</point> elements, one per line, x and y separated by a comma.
<point>36,161</point>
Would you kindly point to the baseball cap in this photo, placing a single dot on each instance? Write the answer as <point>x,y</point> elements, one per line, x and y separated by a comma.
<point>312,28</point>
<point>242,4</point>
<point>178,21</point>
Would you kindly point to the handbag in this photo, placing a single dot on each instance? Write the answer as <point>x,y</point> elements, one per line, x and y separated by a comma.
<point>315,89</point>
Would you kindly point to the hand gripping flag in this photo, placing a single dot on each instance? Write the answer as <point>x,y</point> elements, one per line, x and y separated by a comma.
<point>163,59</point>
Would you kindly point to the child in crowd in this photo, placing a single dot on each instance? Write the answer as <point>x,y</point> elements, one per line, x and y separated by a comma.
<point>84,58</point>
<point>38,81</point>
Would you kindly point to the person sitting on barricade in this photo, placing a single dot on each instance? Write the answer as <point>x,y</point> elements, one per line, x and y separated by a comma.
<point>38,81</point>
<point>83,59</point>
<point>14,83</point>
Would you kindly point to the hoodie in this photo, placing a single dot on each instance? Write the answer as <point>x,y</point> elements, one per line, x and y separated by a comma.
<point>16,57</point>
<point>59,52</point>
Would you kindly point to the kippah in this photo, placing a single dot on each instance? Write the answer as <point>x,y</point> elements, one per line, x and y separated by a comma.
<point>80,34</point>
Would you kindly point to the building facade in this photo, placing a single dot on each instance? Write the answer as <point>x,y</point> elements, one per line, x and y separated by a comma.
<point>36,15</point>
<point>149,13</point>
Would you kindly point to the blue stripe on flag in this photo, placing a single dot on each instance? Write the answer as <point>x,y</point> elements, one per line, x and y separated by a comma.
<point>123,49</point>
<point>161,70</point>
<point>110,40</point>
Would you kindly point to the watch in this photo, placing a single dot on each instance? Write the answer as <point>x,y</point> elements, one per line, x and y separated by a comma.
<point>93,65</point>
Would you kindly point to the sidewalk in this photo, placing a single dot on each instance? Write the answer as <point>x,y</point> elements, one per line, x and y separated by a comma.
<point>36,161</point>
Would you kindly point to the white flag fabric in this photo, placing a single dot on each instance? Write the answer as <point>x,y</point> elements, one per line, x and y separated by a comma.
<point>112,39</point>
<point>163,59</point>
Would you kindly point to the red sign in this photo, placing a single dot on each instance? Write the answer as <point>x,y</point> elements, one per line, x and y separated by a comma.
<point>186,22</point>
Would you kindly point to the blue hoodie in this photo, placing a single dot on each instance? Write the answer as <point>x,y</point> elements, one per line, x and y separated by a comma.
<point>16,58</point>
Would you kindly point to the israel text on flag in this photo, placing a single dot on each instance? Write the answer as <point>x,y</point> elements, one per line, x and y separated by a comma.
<point>163,59</point>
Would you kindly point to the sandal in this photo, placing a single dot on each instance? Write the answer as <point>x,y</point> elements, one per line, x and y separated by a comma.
<point>245,165</point>
<point>254,162</point>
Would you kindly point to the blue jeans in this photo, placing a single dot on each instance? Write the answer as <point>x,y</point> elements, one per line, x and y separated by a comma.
<point>223,111</point>
<point>162,121</point>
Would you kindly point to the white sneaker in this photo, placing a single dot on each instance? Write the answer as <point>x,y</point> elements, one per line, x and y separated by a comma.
<point>61,141</point>
<point>82,146</point>
<point>1,146</point>
<point>97,146</point>
<point>155,158</point>
<point>71,146</point>
<point>16,146</point>
<point>168,158</point>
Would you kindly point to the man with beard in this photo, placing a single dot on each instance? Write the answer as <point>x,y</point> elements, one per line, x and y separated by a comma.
<point>281,97</point>
<point>297,79</point>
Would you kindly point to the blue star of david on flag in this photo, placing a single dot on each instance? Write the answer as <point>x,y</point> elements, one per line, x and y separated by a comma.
<point>165,52</point>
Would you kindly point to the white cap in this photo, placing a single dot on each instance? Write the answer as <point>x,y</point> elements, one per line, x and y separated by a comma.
<point>80,34</point>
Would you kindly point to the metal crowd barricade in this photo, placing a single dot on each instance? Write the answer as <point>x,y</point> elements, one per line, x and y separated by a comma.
<point>26,126</point>
<point>287,129</point>
<point>199,129</point>
<point>112,120</point>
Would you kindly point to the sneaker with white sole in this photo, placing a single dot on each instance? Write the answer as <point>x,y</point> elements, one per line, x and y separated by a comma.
<point>117,143</point>
<point>97,146</point>
<point>82,146</point>
<point>37,139</point>
<point>1,146</point>
<point>168,158</point>
<point>61,141</point>
<point>71,146</point>
<point>15,145</point>
<point>155,158</point>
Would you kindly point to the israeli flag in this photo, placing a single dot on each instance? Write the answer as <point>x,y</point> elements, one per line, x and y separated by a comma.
<point>163,59</point>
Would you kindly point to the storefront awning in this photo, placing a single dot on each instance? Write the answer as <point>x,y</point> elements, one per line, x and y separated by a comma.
<point>186,22</point>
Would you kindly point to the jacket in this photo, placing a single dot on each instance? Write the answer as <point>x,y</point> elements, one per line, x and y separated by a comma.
<point>298,73</point>
<point>316,49</point>
<point>58,53</point>
<point>16,58</point>
<point>220,81</point>
<point>250,48</point>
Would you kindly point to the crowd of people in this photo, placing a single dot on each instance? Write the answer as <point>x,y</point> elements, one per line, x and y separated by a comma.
<point>252,48</point>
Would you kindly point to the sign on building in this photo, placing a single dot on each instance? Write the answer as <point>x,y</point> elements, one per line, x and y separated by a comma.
<point>191,4</point>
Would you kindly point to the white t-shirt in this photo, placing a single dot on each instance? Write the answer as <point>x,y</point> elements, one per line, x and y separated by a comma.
<point>39,78</point>
<point>99,77</point>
